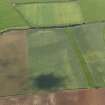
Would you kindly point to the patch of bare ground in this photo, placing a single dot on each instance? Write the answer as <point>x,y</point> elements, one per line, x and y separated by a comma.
<point>12,62</point>
<point>78,97</point>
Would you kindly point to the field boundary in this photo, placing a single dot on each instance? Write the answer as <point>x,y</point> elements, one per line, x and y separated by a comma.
<point>43,2</point>
<point>48,27</point>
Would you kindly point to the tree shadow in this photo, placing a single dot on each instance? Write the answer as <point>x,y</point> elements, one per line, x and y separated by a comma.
<point>47,82</point>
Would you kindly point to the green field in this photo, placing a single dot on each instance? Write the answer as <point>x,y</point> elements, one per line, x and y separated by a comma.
<point>30,13</point>
<point>93,10</point>
<point>49,52</point>
<point>77,55</point>
<point>57,58</point>
<point>52,59</point>
<point>90,39</point>
<point>9,18</point>
<point>53,14</point>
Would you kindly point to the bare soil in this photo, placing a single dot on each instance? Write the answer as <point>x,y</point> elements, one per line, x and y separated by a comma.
<point>12,62</point>
<point>78,97</point>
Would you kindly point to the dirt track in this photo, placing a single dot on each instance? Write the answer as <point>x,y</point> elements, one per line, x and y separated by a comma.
<point>78,97</point>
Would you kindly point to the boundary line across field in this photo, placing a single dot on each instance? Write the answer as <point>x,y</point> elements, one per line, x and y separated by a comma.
<point>43,2</point>
<point>48,27</point>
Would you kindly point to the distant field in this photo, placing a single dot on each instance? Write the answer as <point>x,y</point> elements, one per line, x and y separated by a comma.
<point>53,14</point>
<point>93,10</point>
<point>9,18</point>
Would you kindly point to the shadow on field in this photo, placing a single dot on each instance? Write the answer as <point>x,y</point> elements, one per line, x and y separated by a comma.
<point>47,82</point>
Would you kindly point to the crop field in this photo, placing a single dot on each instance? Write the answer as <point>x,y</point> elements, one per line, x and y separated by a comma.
<point>93,10</point>
<point>51,14</point>
<point>92,45</point>
<point>49,52</point>
<point>75,55</point>
<point>51,58</point>
<point>47,13</point>
<point>9,18</point>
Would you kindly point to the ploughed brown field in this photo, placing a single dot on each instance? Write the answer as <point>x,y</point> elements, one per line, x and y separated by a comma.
<point>12,62</point>
<point>78,97</point>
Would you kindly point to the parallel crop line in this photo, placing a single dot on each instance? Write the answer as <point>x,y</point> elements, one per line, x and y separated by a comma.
<point>83,63</point>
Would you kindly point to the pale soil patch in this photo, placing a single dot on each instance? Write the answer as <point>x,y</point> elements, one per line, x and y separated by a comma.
<point>12,62</point>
